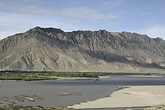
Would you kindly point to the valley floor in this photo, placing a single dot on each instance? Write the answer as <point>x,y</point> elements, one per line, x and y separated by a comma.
<point>127,91</point>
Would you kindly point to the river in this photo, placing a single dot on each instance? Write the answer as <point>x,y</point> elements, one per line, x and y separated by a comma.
<point>68,92</point>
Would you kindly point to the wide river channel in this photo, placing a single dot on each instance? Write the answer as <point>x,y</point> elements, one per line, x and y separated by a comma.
<point>68,92</point>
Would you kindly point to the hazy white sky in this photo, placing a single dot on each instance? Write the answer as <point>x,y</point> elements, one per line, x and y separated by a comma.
<point>141,16</point>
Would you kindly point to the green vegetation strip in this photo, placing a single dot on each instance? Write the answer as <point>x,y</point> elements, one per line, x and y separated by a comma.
<point>26,77</point>
<point>49,75</point>
<point>33,75</point>
<point>63,74</point>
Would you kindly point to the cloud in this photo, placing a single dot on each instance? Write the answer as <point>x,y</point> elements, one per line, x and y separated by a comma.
<point>74,21</point>
<point>8,2</point>
<point>155,31</point>
<point>114,4</point>
<point>79,12</point>
<point>109,24</point>
<point>26,10</point>
<point>86,13</point>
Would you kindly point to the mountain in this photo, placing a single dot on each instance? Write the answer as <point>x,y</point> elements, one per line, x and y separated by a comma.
<point>52,49</point>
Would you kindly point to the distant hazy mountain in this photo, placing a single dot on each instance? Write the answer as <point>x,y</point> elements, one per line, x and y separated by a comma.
<point>52,49</point>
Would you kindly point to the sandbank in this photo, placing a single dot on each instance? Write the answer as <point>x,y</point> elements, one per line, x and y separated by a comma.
<point>131,96</point>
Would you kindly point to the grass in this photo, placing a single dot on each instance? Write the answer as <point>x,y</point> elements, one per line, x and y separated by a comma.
<point>46,75</point>
<point>66,74</point>
<point>36,75</point>
<point>25,77</point>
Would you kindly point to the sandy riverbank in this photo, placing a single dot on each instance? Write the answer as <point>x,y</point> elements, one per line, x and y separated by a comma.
<point>133,96</point>
<point>146,76</point>
<point>79,78</point>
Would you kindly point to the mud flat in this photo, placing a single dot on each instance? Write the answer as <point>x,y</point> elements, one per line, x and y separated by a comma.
<point>131,96</point>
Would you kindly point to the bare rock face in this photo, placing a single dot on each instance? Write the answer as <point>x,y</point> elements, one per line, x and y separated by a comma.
<point>52,49</point>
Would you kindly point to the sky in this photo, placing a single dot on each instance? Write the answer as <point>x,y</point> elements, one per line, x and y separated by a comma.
<point>140,16</point>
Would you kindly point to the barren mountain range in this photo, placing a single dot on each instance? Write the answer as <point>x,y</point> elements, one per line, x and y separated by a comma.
<point>52,49</point>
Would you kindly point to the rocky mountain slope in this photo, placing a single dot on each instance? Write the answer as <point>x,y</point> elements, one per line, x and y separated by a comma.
<point>52,49</point>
